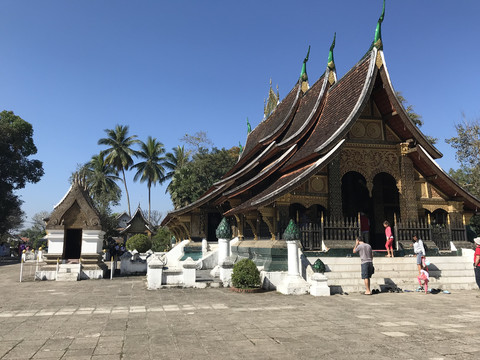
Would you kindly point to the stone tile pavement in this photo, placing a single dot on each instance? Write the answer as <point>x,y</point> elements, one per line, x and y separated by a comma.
<point>120,319</point>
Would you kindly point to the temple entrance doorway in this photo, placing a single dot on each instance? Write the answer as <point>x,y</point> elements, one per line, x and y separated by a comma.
<point>73,244</point>
<point>298,213</point>
<point>213,222</point>
<point>385,201</point>
<point>356,200</point>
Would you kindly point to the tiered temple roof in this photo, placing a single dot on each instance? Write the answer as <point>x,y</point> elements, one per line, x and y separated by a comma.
<point>309,127</point>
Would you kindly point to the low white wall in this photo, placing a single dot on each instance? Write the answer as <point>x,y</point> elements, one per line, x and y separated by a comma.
<point>172,277</point>
<point>209,260</point>
<point>55,241</point>
<point>92,241</point>
<point>271,279</point>
<point>175,254</point>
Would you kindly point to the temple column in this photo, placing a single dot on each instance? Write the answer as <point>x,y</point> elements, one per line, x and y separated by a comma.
<point>335,189</point>
<point>408,195</point>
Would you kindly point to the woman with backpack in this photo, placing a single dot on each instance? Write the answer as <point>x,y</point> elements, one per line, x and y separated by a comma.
<point>419,250</point>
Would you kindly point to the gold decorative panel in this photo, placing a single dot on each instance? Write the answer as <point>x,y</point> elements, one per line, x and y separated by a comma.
<point>318,184</point>
<point>370,161</point>
<point>367,129</point>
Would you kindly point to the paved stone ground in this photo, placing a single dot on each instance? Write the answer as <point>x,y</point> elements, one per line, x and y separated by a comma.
<point>120,319</point>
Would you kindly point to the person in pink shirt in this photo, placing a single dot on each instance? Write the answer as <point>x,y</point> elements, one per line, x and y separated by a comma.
<point>476,261</point>
<point>424,276</point>
<point>389,236</point>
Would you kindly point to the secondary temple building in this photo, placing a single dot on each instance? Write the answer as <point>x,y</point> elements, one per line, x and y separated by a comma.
<point>328,155</point>
<point>75,238</point>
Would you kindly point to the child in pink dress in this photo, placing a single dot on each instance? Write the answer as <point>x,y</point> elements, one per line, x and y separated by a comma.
<point>424,276</point>
<point>389,236</point>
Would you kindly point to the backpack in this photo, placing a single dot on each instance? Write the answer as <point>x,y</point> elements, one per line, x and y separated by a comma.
<point>425,247</point>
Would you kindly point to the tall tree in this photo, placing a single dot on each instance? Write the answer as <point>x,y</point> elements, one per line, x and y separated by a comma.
<point>151,169</point>
<point>196,141</point>
<point>174,161</point>
<point>16,169</point>
<point>156,217</point>
<point>36,232</point>
<point>101,180</point>
<point>467,146</point>
<point>120,152</point>
<point>193,179</point>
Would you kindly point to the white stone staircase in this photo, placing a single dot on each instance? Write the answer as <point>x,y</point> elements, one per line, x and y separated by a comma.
<point>446,272</point>
<point>69,272</point>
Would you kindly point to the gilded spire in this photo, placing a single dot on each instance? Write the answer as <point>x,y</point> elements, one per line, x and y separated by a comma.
<point>331,62</point>
<point>270,105</point>
<point>377,42</point>
<point>303,74</point>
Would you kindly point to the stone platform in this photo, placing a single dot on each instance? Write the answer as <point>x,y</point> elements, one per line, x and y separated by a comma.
<point>121,319</point>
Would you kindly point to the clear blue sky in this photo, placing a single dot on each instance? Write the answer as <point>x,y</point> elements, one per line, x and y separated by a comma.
<point>166,68</point>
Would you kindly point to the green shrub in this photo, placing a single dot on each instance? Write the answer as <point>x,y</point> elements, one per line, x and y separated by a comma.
<point>245,275</point>
<point>162,239</point>
<point>139,242</point>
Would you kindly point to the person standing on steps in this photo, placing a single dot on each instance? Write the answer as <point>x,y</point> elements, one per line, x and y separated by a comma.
<point>366,258</point>
<point>419,250</point>
<point>365,227</point>
<point>389,236</point>
<point>476,261</point>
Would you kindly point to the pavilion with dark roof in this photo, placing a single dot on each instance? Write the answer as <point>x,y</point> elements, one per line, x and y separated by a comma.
<point>328,153</point>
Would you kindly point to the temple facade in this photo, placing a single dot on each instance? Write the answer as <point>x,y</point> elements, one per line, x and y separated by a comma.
<point>333,156</point>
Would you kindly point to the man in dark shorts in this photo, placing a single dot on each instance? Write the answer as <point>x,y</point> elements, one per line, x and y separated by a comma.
<point>366,258</point>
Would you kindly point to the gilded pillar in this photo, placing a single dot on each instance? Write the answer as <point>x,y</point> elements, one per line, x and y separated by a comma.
<point>408,196</point>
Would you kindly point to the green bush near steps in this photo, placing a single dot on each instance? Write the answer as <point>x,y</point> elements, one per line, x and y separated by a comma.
<point>245,275</point>
<point>139,242</point>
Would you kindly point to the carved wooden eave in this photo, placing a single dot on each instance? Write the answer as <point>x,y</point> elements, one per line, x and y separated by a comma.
<point>209,195</point>
<point>269,217</point>
<point>400,122</point>
<point>251,220</point>
<point>76,196</point>
<point>429,168</point>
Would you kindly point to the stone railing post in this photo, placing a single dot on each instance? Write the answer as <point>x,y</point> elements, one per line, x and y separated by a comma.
<point>189,272</point>
<point>292,248</point>
<point>293,283</point>
<point>155,272</point>
<point>226,269</point>
<point>224,235</point>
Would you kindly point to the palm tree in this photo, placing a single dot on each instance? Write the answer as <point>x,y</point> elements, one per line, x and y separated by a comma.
<point>174,161</point>
<point>101,181</point>
<point>151,170</point>
<point>119,154</point>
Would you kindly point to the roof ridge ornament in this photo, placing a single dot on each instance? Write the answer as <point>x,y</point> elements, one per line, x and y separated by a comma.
<point>249,127</point>
<point>377,41</point>
<point>303,74</point>
<point>331,62</point>
<point>270,105</point>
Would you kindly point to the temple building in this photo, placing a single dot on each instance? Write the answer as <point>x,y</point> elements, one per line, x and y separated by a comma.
<point>75,238</point>
<point>328,155</point>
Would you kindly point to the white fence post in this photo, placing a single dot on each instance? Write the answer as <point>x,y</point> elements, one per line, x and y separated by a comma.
<point>111,268</point>
<point>21,269</point>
